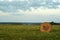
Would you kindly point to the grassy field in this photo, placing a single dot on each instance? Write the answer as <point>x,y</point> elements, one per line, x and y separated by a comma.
<point>27,32</point>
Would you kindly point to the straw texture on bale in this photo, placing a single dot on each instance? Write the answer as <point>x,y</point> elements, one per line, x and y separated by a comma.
<point>45,27</point>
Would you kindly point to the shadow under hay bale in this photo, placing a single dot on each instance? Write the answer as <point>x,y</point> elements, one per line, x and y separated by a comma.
<point>45,27</point>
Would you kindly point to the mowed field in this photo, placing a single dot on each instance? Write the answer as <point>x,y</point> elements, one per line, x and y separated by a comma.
<point>27,32</point>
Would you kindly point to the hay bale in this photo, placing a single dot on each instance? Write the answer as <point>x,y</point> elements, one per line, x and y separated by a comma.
<point>45,27</point>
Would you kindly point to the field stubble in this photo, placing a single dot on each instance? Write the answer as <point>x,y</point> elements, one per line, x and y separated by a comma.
<point>28,32</point>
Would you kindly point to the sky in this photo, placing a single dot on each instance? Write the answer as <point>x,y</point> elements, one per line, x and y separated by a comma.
<point>29,10</point>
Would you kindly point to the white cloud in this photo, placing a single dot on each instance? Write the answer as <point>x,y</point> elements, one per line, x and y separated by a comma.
<point>59,6</point>
<point>33,12</point>
<point>40,11</point>
<point>10,0</point>
<point>21,0</point>
<point>1,0</point>
<point>4,14</point>
<point>56,0</point>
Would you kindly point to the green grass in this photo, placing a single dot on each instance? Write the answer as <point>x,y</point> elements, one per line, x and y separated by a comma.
<point>28,32</point>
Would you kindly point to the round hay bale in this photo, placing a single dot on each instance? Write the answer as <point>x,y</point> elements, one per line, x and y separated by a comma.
<point>45,27</point>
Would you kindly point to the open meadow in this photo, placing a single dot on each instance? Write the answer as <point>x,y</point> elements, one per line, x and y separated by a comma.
<point>27,32</point>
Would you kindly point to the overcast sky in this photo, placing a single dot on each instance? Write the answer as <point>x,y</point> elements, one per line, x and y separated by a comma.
<point>29,10</point>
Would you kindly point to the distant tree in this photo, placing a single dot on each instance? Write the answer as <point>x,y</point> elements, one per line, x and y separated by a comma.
<point>52,22</point>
